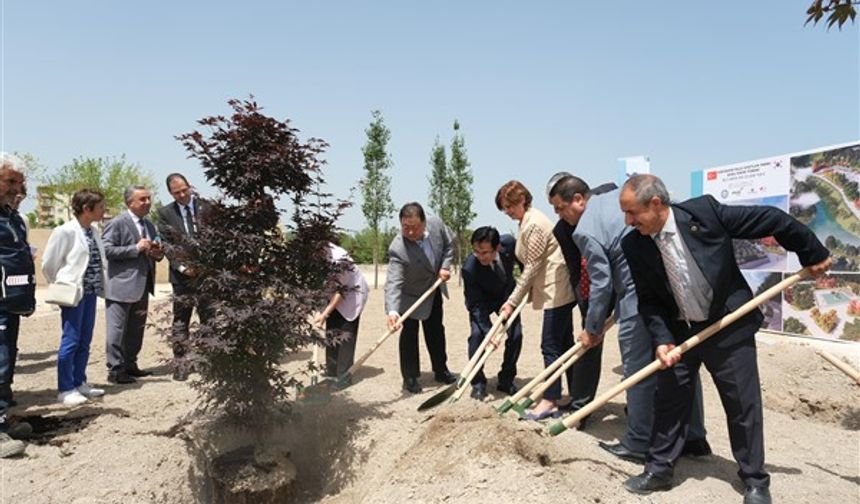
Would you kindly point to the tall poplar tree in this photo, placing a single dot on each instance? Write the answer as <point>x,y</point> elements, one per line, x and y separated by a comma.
<point>376,185</point>
<point>459,196</point>
<point>439,182</point>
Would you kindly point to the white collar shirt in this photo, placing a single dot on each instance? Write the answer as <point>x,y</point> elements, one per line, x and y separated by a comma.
<point>691,290</point>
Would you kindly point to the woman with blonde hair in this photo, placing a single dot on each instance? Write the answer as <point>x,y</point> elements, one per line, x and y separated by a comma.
<point>545,278</point>
<point>75,258</point>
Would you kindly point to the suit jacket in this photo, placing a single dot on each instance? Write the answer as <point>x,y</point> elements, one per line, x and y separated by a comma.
<point>708,228</point>
<point>484,291</point>
<point>410,273</point>
<point>130,272</point>
<point>546,277</point>
<point>170,222</point>
<point>598,236</point>
<point>67,255</point>
<point>563,233</point>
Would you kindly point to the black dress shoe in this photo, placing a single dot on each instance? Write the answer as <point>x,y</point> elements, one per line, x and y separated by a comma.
<point>120,377</point>
<point>445,377</point>
<point>646,483</point>
<point>411,385</point>
<point>696,448</point>
<point>507,388</point>
<point>757,495</point>
<point>621,451</point>
<point>137,372</point>
<point>479,391</point>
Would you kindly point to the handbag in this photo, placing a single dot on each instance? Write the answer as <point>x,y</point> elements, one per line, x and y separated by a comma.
<point>64,294</point>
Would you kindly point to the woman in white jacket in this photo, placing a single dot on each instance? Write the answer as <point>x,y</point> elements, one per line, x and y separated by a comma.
<point>75,256</point>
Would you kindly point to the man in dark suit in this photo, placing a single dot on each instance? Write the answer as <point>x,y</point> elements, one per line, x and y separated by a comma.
<point>179,222</point>
<point>132,246</point>
<point>420,254</point>
<point>488,280</point>
<point>586,371</point>
<point>686,277</point>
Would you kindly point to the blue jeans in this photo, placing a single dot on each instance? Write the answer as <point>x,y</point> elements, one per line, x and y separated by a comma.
<point>9,323</point>
<point>556,338</point>
<point>78,322</point>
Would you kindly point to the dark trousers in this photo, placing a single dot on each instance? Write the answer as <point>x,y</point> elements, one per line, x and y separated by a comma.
<point>434,337</point>
<point>735,373</point>
<point>513,346</point>
<point>9,325</point>
<point>125,325</point>
<point>339,357</point>
<point>557,338</point>
<point>185,299</point>
<point>585,374</point>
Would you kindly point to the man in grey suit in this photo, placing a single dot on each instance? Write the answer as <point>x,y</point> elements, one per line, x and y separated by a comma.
<point>599,230</point>
<point>131,246</point>
<point>420,254</point>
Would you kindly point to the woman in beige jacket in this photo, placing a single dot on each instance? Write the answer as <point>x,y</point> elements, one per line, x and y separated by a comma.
<point>545,279</point>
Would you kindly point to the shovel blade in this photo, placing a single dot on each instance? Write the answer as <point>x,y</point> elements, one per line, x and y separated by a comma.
<point>438,398</point>
<point>315,393</point>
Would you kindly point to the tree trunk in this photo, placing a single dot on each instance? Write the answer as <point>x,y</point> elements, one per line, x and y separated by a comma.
<point>375,258</point>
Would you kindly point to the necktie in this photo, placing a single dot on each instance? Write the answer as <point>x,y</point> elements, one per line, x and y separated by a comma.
<point>142,228</point>
<point>672,264</point>
<point>499,271</point>
<point>428,251</point>
<point>190,221</point>
<point>584,281</point>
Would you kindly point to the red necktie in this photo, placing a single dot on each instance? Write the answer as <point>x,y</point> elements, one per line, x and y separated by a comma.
<point>584,283</point>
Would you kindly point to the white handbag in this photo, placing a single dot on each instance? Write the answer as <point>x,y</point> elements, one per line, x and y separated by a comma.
<point>64,294</point>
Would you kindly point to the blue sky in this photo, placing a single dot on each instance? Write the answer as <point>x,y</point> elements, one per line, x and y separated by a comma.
<point>537,87</point>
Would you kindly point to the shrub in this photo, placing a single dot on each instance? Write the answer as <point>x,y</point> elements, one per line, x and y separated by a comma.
<point>261,282</point>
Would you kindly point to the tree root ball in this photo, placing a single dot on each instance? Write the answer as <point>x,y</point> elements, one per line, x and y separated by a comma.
<point>246,476</point>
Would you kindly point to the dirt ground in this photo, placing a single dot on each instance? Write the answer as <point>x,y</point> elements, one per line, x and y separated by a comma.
<point>369,444</point>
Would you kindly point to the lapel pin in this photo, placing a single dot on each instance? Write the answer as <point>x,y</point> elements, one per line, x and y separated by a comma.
<point>694,228</point>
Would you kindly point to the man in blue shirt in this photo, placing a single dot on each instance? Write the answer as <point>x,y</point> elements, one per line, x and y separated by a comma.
<point>488,280</point>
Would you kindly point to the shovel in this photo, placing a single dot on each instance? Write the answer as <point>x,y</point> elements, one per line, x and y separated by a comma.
<point>445,393</point>
<point>492,345</point>
<point>346,379</point>
<point>460,384</point>
<point>318,390</point>
<point>845,368</point>
<point>541,378</point>
<point>573,420</point>
<point>579,351</point>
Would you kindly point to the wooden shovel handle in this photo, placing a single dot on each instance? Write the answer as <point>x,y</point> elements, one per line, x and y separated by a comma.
<point>479,352</point>
<point>578,352</point>
<point>389,332</point>
<point>573,420</point>
<point>839,363</point>
<point>488,351</point>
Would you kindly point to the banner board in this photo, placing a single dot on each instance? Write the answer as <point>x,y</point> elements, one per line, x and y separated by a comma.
<point>818,187</point>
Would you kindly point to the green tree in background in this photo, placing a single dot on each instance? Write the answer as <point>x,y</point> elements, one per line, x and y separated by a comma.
<point>110,176</point>
<point>460,197</point>
<point>440,183</point>
<point>33,170</point>
<point>376,185</point>
<point>360,245</point>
